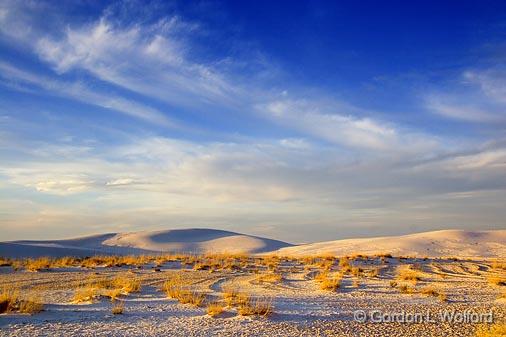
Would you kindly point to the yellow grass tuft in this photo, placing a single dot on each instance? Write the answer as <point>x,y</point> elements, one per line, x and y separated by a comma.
<point>30,306</point>
<point>11,301</point>
<point>177,288</point>
<point>118,308</point>
<point>38,264</point>
<point>215,309</point>
<point>497,280</point>
<point>270,278</point>
<point>496,330</point>
<point>86,294</point>
<point>404,289</point>
<point>497,264</point>
<point>230,295</point>
<point>406,273</point>
<point>258,306</point>
<point>430,291</point>
<point>112,288</point>
<point>327,282</point>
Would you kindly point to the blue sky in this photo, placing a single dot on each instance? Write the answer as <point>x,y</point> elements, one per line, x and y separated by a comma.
<point>302,121</point>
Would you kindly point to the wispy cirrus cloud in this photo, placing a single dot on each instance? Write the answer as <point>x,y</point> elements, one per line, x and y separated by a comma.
<point>479,96</point>
<point>79,91</point>
<point>147,59</point>
<point>329,121</point>
<point>154,60</point>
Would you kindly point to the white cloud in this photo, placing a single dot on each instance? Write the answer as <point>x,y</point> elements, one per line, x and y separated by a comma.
<point>80,92</point>
<point>480,97</point>
<point>144,59</point>
<point>330,124</point>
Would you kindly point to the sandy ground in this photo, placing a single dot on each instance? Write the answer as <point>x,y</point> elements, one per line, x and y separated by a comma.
<point>301,308</point>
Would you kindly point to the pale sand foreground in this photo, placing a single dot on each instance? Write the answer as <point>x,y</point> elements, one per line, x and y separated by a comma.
<point>301,308</point>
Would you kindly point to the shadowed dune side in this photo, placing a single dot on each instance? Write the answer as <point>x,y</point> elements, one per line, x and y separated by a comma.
<point>195,241</point>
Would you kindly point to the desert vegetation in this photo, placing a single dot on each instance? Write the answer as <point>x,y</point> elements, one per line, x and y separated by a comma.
<point>95,287</point>
<point>221,286</point>
<point>16,300</point>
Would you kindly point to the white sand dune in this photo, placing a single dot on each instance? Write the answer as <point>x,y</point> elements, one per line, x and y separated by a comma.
<point>195,240</point>
<point>457,243</point>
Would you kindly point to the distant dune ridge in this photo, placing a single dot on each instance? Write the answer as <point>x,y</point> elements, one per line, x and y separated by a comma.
<point>195,240</point>
<point>457,243</point>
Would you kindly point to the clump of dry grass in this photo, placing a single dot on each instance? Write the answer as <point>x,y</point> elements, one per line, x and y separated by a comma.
<point>406,273</point>
<point>442,297</point>
<point>177,288</point>
<point>357,271</point>
<point>258,306</point>
<point>85,294</point>
<point>5,262</point>
<point>8,299</point>
<point>331,284</point>
<point>215,309</point>
<point>497,264</point>
<point>38,264</point>
<point>270,278</point>
<point>30,306</point>
<point>429,291</point>
<point>231,295</point>
<point>112,288</point>
<point>496,330</point>
<point>404,289</point>
<point>11,301</point>
<point>191,297</point>
<point>497,280</point>
<point>118,308</point>
<point>344,264</point>
<point>327,282</point>
<point>385,255</point>
<point>373,272</point>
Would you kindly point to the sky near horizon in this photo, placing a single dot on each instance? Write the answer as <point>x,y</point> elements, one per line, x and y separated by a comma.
<point>297,120</point>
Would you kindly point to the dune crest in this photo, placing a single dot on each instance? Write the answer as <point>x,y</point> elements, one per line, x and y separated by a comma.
<point>459,243</point>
